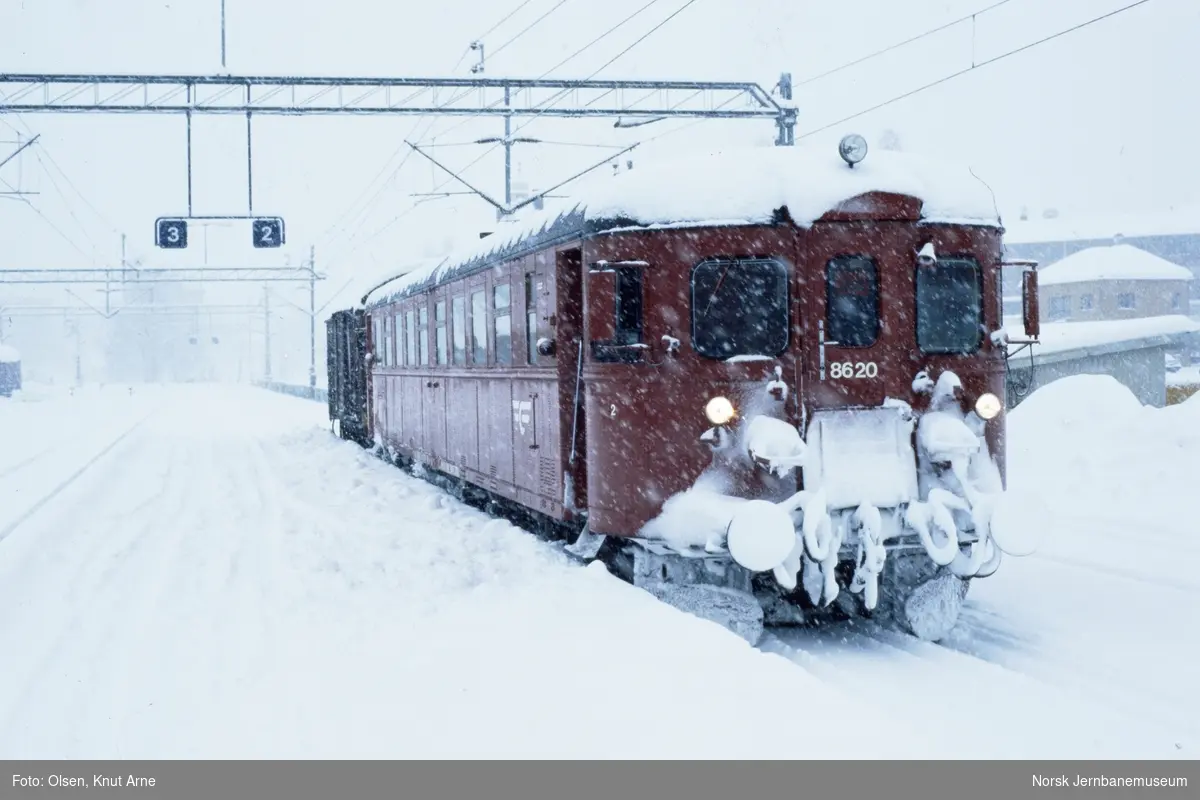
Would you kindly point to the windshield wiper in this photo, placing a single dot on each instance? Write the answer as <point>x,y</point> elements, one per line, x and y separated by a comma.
<point>716,289</point>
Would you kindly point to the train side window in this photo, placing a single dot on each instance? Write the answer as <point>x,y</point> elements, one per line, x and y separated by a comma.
<point>410,336</point>
<point>852,301</point>
<point>388,355</point>
<point>441,350</point>
<point>614,339</point>
<point>531,327</point>
<point>458,328</point>
<point>503,323</point>
<point>423,332</point>
<point>629,306</point>
<point>739,307</point>
<point>376,336</point>
<point>479,328</point>
<point>949,306</point>
<point>397,338</point>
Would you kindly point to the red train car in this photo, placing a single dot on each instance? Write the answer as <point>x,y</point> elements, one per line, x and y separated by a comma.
<point>764,386</point>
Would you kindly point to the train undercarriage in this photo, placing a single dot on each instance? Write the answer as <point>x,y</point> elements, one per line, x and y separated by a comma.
<point>808,557</point>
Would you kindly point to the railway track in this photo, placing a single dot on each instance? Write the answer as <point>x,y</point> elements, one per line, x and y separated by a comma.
<point>61,485</point>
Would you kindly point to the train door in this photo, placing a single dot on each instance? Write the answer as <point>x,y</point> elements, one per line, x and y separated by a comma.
<point>860,305</point>
<point>378,382</point>
<point>566,324</point>
<point>356,376</point>
<point>858,313</point>
<point>434,404</point>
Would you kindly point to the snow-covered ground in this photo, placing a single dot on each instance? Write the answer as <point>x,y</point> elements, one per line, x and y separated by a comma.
<point>206,572</point>
<point>1089,647</point>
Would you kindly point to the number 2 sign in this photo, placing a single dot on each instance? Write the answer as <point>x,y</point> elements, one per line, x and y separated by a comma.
<point>268,232</point>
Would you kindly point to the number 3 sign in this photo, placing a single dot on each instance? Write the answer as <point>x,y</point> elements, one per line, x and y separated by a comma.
<point>171,233</point>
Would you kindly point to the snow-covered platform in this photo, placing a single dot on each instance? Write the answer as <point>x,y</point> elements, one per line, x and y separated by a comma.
<point>205,572</point>
<point>1131,350</point>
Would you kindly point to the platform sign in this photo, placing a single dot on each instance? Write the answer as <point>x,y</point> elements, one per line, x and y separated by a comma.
<point>268,232</point>
<point>171,233</point>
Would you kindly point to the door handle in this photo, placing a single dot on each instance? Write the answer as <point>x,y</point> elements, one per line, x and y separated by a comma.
<point>533,415</point>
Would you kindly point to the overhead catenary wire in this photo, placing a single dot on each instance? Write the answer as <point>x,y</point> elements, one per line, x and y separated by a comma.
<point>49,222</point>
<point>66,203</point>
<point>529,27</point>
<point>43,149</point>
<point>945,79</point>
<point>566,60</point>
<point>930,85</point>
<point>70,183</point>
<point>503,20</point>
<point>548,103</point>
<point>600,38</point>
<point>974,67</point>
<point>342,222</point>
<point>897,45</point>
<point>387,226</point>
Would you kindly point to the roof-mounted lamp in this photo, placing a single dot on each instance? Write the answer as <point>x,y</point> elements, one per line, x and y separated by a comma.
<point>852,149</point>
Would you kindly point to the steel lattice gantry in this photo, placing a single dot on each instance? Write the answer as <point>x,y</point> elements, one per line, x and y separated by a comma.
<point>297,95</point>
<point>174,275</point>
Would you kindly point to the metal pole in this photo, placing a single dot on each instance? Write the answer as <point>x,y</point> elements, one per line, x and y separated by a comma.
<point>78,357</point>
<point>222,34</point>
<point>267,320</point>
<point>249,162</point>
<point>107,289</point>
<point>507,152</point>
<point>189,154</point>
<point>312,321</point>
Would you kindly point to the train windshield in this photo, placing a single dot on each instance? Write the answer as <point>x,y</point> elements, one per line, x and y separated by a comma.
<point>739,307</point>
<point>852,301</point>
<point>949,306</point>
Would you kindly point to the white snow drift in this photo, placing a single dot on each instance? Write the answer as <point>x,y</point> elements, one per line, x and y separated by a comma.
<point>231,581</point>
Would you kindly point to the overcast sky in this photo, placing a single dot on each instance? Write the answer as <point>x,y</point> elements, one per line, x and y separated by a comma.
<point>1102,119</point>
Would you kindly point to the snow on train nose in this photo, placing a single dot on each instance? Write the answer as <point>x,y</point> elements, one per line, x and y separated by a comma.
<point>774,445</point>
<point>760,535</point>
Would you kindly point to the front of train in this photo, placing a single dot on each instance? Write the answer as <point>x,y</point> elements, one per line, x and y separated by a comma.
<point>862,468</point>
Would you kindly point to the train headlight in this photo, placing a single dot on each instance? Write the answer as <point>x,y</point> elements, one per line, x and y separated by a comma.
<point>719,410</point>
<point>988,405</point>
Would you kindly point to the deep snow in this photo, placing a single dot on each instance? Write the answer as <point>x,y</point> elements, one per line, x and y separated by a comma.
<point>229,580</point>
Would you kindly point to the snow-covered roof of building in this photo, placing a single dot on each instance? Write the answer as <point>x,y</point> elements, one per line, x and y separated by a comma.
<point>1177,221</point>
<point>9,354</point>
<point>747,186</point>
<point>1116,262</point>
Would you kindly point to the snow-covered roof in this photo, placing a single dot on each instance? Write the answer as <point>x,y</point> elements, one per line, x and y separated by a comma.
<point>1117,262</point>
<point>747,186</point>
<point>9,354</point>
<point>367,280</point>
<point>1169,222</point>
<point>1060,337</point>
